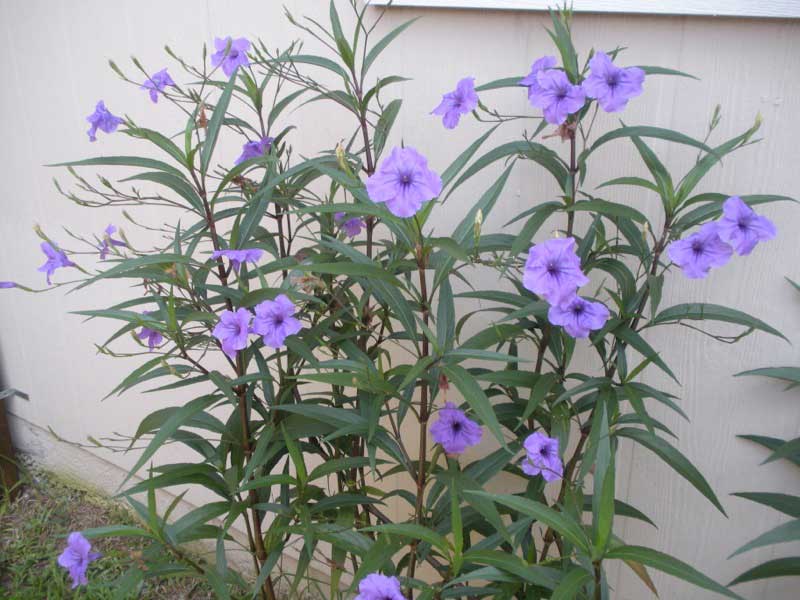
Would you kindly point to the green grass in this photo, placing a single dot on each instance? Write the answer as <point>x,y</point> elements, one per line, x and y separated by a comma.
<point>33,530</point>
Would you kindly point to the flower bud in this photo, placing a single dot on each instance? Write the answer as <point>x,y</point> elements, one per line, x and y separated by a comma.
<point>477,226</point>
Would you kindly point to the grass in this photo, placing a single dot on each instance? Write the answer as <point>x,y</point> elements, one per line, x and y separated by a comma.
<point>33,530</point>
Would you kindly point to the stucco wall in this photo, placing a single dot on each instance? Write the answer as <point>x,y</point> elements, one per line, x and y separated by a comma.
<point>53,59</point>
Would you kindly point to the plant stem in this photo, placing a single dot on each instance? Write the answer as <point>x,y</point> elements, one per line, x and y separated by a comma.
<point>598,579</point>
<point>257,539</point>
<point>424,407</point>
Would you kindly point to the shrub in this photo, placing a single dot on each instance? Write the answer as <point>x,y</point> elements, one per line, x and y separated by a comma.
<point>316,315</point>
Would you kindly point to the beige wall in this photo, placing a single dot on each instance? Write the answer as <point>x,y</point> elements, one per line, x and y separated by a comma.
<point>53,62</point>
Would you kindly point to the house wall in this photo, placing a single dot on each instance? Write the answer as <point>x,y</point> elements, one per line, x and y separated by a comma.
<point>53,58</point>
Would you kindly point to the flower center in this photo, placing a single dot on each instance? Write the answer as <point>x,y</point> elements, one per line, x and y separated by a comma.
<point>577,309</point>
<point>552,268</point>
<point>612,79</point>
<point>743,224</point>
<point>457,427</point>
<point>405,178</point>
<point>544,451</point>
<point>697,247</point>
<point>561,93</point>
<point>233,54</point>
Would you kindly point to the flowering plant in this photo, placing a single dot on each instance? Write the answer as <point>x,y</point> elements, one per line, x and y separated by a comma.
<point>311,316</point>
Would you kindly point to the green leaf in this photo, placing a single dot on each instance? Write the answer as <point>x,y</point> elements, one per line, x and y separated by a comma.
<point>560,522</point>
<point>621,509</point>
<point>648,132</point>
<point>571,584</point>
<point>215,123</point>
<point>637,342</point>
<point>179,185</point>
<point>665,71</point>
<point>605,513</point>
<point>540,215</point>
<point>503,82</point>
<point>771,443</point>
<point>115,531</point>
<point>788,505</point>
<point>608,209</point>
<point>534,574</point>
<point>462,159</point>
<point>178,419</point>
<point>536,152</point>
<point>446,315</point>
<point>166,144</point>
<point>634,181</point>
<point>788,374</point>
<point>338,35</point>
<point>126,267</point>
<point>465,228</point>
<point>379,47</point>
<point>339,464</point>
<point>700,311</point>
<point>476,398</point>
<point>780,567</point>
<point>367,271</point>
<point>384,125</point>
<point>413,531</point>
<point>788,532</point>
<point>667,564</point>
<point>122,161</point>
<point>317,61</point>
<point>673,457</point>
<point>790,448</point>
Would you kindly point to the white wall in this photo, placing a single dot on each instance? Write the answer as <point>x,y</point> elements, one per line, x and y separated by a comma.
<point>53,62</point>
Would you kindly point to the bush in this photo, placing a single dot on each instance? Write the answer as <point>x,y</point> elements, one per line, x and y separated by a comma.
<point>317,317</point>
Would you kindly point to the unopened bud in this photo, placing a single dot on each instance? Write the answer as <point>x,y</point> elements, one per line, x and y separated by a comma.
<point>202,120</point>
<point>646,230</point>
<point>443,383</point>
<point>476,227</point>
<point>341,158</point>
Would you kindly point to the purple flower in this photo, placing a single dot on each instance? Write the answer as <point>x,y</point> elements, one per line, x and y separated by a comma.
<point>461,101</point>
<point>379,587</point>
<point>542,457</point>
<point>255,149</point>
<point>541,64</point>
<point>237,257</point>
<point>553,270</point>
<point>612,86</point>
<point>230,58</point>
<point>700,251</point>
<point>404,181</point>
<point>55,260</point>
<point>108,241</point>
<point>7,285</point>
<point>232,330</point>
<point>578,316</point>
<point>556,96</point>
<point>157,83</point>
<point>742,228</point>
<point>454,431</point>
<point>153,337</point>
<point>103,120</point>
<point>352,227</point>
<point>76,558</point>
<point>275,321</point>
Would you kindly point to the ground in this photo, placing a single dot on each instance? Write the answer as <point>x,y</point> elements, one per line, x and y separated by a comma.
<point>33,529</point>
